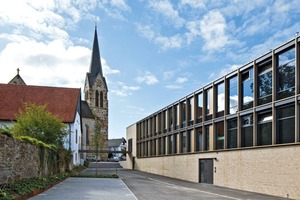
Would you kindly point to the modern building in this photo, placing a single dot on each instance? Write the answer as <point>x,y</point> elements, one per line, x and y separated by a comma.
<point>240,131</point>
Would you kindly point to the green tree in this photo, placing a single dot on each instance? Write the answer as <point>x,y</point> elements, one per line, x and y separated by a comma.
<point>97,142</point>
<point>36,122</point>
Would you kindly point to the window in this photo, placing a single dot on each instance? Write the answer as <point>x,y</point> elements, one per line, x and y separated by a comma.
<point>232,95</point>
<point>209,104</point>
<point>220,100</point>
<point>232,133</point>
<point>190,106</point>
<point>183,114</point>
<point>199,139</point>
<point>170,119</point>
<point>285,124</point>
<point>264,129</point>
<point>130,145</point>
<point>247,89</point>
<point>165,121</point>
<point>101,99</point>
<point>87,135</point>
<point>220,135</point>
<point>170,144</point>
<point>264,82</point>
<point>183,142</point>
<point>175,143</point>
<point>176,116</point>
<point>76,136</point>
<point>188,141</point>
<point>247,131</point>
<point>286,74</point>
<point>199,107</point>
<point>97,98</point>
<point>154,147</point>
<point>163,145</point>
<point>208,133</point>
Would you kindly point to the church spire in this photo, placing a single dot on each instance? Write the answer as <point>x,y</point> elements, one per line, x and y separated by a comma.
<point>96,66</point>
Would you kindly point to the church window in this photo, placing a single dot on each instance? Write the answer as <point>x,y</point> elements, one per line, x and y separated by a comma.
<point>97,99</point>
<point>87,135</point>
<point>76,136</point>
<point>101,99</point>
<point>86,96</point>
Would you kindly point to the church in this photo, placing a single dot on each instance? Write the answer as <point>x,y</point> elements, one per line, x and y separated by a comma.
<point>84,118</point>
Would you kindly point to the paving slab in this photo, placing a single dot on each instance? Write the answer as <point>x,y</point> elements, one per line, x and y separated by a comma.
<point>88,188</point>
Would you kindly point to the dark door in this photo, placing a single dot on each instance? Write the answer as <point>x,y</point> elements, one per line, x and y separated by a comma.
<point>206,173</point>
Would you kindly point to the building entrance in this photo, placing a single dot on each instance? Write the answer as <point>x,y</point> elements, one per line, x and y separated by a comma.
<point>206,173</point>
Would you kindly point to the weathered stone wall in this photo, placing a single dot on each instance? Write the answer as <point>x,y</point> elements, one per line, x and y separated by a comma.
<point>20,160</point>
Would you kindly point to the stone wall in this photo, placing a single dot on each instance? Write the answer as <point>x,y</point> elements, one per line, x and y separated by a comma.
<point>20,160</point>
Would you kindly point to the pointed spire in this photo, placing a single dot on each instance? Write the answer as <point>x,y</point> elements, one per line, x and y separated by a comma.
<point>96,66</point>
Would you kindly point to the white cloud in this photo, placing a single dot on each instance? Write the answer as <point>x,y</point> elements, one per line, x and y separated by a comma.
<point>173,87</point>
<point>147,78</point>
<point>165,8</point>
<point>121,4</point>
<point>213,30</point>
<point>51,64</point>
<point>181,80</point>
<point>168,75</point>
<point>122,90</point>
<point>172,42</point>
<point>145,31</point>
<point>115,8</point>
<point>193,3</point>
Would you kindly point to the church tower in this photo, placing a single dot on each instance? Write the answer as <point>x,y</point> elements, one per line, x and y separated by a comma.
<point>95,92</point>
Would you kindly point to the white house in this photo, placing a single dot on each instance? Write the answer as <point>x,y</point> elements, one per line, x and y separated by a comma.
<point>61,102</point>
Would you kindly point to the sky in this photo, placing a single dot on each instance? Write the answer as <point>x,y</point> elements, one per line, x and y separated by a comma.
<point>153,52</point>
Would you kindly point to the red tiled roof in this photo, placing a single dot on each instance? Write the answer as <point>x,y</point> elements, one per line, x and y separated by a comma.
<point>61,102</point>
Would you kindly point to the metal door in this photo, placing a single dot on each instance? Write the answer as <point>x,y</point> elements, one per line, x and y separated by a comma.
<point>206,173</point>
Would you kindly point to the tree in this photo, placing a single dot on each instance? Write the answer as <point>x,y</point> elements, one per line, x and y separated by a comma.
<point>36,122</point>
<point>97,141</point>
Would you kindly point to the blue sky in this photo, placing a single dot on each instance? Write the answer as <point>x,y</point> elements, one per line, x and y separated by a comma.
<point>153,52</point>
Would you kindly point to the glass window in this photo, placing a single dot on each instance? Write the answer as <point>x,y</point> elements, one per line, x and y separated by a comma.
<point>286,74</point>
<point>101,99</point>
<point>264,82</point>
<point>208,133</point>
<point>170,144</point>
<point>183,142</point>
<point>232,95</point>
<point>209,104</point>
<point>183,114</point>
<point>247,131</point>
<point>97,98</point>
<point>199,107</point>
<point>176,116</point>
<point>199,138</point>
<point>247,89</point>
<point>170,119</point>
<point>220,100</point>
<point>165,121</point>
<point>285,125</point>
<point>264,129</point>
<point>190,111</point>
<point>232,133</point>
<point>220,135</point>
<point>175,143</point>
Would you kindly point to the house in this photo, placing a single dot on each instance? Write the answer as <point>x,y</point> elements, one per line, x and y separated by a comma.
<point>118,144</point>
<point>240,131</point>
<point>63,103</point>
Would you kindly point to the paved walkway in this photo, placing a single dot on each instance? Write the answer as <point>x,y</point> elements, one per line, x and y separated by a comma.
<point>134,185</point>
<point>88,188</point>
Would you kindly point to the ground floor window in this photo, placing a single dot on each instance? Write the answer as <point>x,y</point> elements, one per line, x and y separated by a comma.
<point>285,132</point>
<point>199,136</point>
<point>264,129</point>
<point>220,135</point>
<point>232,133</point>
<point>247,131</point>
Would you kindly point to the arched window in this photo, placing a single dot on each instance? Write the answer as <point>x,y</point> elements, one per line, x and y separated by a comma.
<point>101,99</point>
<point>97,98</point>
<point>87,139</point>
<point>86,95</point>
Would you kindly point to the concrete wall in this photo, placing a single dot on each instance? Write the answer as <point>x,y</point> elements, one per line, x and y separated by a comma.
<point>269,170</point>
<point>20,160</point>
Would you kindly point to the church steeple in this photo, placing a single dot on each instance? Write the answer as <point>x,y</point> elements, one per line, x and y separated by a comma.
<point>96,66</point>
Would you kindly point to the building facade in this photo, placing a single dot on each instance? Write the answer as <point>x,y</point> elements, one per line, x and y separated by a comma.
<point>240,131</point>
